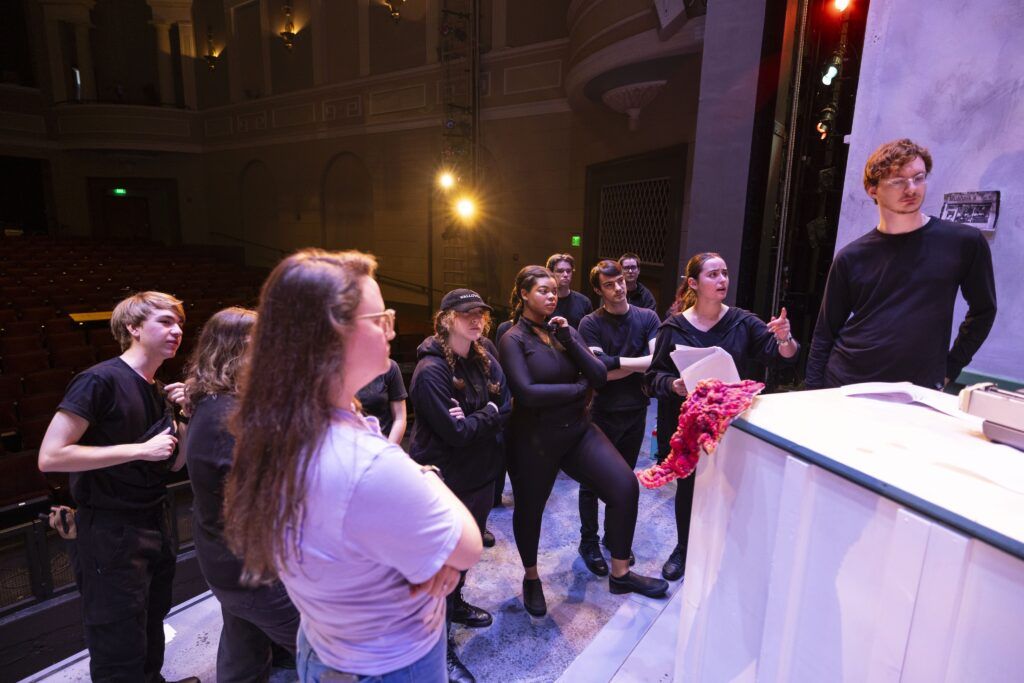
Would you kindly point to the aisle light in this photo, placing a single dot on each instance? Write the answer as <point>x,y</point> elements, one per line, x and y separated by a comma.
<point>832,69</point>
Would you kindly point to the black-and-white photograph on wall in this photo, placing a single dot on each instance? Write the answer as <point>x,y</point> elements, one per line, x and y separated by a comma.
<point>978,209</point>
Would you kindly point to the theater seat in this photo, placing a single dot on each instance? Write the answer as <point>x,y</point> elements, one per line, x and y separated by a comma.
<point>65,340</point>
<point>77,358</point>
<point>39,405</point>
<point>32,431</point>
<point>46,381</point>
<point>20,328</point>
<point>20,479</point>
<point>10,346</point>
<point>25,363</point>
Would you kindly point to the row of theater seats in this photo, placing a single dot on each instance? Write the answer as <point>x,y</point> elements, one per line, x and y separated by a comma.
<point>43,281</point>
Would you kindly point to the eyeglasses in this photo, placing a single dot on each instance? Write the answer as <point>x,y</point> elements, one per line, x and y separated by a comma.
<point>387,319</point>
<point>630,269</point>
<point>904,183</point>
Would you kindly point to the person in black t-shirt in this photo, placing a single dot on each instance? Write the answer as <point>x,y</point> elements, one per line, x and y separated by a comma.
<point>384,399</point>
<point>637,294</point>
<point>115,432</point>
<point>699,318</point>
<point>254,618</point>
<point>887,312</point>
<point>571,305</point>
<point>622,337</point>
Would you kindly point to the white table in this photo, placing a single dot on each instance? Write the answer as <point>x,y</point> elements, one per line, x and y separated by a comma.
<point>847,539</point>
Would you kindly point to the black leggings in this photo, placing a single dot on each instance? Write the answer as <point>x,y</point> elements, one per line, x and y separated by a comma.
<point>581,450</point>
<point>668,421</point>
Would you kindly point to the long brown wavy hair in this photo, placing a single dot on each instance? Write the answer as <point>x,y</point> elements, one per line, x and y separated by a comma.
<point>296,359</point>
<point>686,295</point>
<point>214,365</point>
<point>442,333</point>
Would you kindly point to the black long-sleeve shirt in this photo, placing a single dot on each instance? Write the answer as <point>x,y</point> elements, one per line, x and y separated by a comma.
<point>573,307</point>
<point>887,313</point>
<point>546,382</point>
<point>642,298</point>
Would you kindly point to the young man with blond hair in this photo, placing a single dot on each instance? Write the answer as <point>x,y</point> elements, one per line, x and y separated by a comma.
<point>115,433</point>
<point>887,313</point>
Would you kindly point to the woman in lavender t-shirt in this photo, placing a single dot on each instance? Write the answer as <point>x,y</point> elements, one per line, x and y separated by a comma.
<point>367,542</point>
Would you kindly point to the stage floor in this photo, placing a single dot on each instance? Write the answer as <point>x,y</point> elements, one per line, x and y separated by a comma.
<point>588,635</point>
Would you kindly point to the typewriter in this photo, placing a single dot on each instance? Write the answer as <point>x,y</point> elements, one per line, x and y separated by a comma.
<point>1001,410</point>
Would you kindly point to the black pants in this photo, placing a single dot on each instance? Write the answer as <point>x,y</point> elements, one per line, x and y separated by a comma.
<point>126,562</point>
<point>668,422</point>
<point>254,620</point>
<point>479,502</point>
<point>625,429</point>
<point>537,451</point>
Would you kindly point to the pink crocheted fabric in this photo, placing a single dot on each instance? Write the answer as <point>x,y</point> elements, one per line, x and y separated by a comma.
<point>703,419</point>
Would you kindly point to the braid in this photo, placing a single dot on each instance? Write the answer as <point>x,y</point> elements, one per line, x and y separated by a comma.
<point>441,331</point>
<point>485,365</point>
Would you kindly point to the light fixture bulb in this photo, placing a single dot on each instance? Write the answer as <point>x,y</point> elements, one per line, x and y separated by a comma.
<point>830,73</point>
<point>465,207</point>
<point>445,180</point>
<point>841,5</point>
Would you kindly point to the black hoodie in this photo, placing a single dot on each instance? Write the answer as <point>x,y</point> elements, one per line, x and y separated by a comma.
<point>467,451</point>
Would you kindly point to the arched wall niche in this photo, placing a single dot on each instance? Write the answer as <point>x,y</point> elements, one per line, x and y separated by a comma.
<point>347,204</point>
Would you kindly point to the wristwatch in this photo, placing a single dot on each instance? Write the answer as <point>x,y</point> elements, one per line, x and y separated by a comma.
<point>432,468</point>
<point>787,340</point>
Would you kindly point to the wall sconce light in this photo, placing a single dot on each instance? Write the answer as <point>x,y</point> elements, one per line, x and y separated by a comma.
<point>211,56</point>
<point>288,34</point>
<point>393,7</point>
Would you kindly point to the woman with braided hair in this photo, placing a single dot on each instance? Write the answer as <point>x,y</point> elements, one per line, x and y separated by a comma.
<point>461,403</point>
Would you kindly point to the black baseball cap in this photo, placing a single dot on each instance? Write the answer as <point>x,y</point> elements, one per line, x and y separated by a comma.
<point>463,300</point>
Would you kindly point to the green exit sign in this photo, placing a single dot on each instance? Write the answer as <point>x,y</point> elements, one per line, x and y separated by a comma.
<point>119,192</point>
<point>576,240</point>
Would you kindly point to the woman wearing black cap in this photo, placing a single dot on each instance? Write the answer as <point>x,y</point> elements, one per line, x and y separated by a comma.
<point>461,402</point>
<point>551,372</point>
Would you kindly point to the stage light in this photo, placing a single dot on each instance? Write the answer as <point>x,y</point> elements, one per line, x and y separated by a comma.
<point>445,180</point>
<point>832,69</point>
<point>465,208</point>
<point>826,121</point>
<point>841,5</point>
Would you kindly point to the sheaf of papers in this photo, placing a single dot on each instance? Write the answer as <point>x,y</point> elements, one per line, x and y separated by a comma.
<point>905,392</point>
<point>695,364</point>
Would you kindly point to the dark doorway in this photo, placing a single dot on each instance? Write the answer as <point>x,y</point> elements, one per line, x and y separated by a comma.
<point>636,204</point>
<point>124,218</point>
<point>23,189</point>
<point>135,209</point>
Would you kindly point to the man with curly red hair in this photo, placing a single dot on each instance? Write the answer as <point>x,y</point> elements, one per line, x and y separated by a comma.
<point>887,312</point>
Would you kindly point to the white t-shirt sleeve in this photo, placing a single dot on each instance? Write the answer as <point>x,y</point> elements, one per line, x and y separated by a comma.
<point>397,518</point>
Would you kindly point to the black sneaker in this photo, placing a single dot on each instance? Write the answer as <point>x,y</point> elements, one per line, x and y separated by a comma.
<point>674,566</point>
<point>590,551</point>
<point>635,583</point>
<point>488,539</point>
<point>533,597</point>
<point>457,671</point>
<point>469,615</point>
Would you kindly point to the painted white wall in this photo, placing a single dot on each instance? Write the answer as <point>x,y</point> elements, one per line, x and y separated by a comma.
<point>950,75</point>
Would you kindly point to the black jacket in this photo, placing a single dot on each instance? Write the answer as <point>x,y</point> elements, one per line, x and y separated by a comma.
<point>551,387</point>
<point>468,451</point>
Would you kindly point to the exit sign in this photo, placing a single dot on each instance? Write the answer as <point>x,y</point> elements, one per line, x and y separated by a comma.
<point>119,192</point>
<point>576,240</point>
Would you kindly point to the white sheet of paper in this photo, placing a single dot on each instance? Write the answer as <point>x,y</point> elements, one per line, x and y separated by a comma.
<point>695,364</point>
<point>905,392</point>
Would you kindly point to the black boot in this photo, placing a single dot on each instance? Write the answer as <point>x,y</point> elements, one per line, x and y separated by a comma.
<point>590,551</point>
<point>457,671</point>
<point>466,614</point>
<point>674,566</point>
<point>533,597</point>
<point>635,583</point>
<point>488,538</point>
